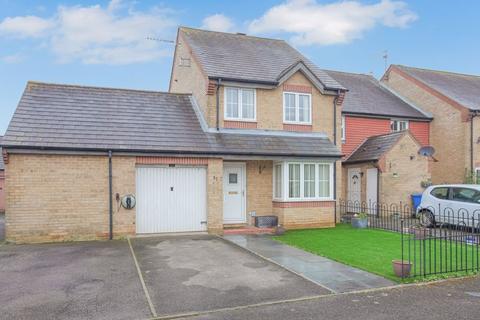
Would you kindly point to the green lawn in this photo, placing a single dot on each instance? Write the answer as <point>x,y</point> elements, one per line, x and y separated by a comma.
<point>367,249</point>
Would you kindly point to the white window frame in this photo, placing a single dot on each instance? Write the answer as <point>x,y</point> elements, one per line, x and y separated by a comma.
<point>275,178</point>
<point>285,181</point>
<point>398,121</point>
<point>297,108</point>
<point>240,109</point>
<point>343,129</point>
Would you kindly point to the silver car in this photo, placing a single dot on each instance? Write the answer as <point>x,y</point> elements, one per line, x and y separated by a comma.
<point>457,204</point>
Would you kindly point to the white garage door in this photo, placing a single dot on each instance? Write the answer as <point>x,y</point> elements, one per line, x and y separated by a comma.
<point>171,199</point>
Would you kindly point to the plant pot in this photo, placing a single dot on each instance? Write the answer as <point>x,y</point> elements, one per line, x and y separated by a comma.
<point>279,230</point>
<point>359,223</point>
<point>401,268</point>
<point>420,233</point>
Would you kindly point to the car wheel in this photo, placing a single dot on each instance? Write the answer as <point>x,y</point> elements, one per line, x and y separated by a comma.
<point>427,219</point>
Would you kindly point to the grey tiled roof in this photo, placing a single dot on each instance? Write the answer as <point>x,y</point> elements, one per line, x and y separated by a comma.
<point>90,118</point>
<point>374,147</point>
<point>2,165</point>
<point>462,88</point>
<point>241,57</point>
<point>367,96</point>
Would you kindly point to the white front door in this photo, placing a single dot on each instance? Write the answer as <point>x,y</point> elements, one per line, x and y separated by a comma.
<point>234,193</point>
<point>372,190</point>
<point>354,188</point>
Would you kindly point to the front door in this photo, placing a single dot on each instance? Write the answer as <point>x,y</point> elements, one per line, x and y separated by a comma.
<point>372,190</point>
<point>354,189</point>
<point>234,193</point>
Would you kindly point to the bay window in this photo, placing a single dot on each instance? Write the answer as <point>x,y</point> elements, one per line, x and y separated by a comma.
<point>239,104</point>
<point>297,108</point>
<point>302,181</point>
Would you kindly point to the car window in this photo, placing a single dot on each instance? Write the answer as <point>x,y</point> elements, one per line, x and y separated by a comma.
<point>440,193</point>
<point>465,195</point>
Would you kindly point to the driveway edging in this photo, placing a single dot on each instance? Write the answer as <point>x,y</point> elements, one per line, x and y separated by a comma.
<point>142,281</point>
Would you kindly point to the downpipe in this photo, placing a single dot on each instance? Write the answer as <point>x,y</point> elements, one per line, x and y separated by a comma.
<point>110,195</point>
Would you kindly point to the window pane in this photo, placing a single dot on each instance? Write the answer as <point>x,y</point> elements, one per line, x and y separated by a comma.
<point>278,181</point>
<point>440,193</point>
<point>465,195</point>
<point>248,105</point>
<point>304,108</point>
<point>324,180</point>
<point>309,181</point>
<point>232,103</point>
<point>289,107</point>
<point>403,125</point>
<point>232,178</point>
<point>294,180</point>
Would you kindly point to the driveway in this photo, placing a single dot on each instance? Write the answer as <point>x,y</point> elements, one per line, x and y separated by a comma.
<point>100,280</point>
<point>83,280</point>
<point>185,274</point>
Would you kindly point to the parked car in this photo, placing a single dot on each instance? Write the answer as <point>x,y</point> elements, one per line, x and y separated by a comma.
<point>457,204</point>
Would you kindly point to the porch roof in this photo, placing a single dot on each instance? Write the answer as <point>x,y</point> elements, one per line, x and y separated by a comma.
<point>373,148</point>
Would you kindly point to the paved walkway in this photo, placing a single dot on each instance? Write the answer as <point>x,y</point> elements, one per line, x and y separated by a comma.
<point>332,275</point>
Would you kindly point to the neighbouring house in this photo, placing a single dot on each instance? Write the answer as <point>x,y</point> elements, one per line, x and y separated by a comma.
<point>248,129</point>
<point>453,100</point>
<point>381,136</point>
<point>2,180</point>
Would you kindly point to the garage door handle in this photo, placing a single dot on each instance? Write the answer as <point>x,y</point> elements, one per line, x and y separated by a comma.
<point>203,222</point>
<point>171,188</point>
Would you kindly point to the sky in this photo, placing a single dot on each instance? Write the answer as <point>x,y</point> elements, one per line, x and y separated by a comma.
<point>108,43</point>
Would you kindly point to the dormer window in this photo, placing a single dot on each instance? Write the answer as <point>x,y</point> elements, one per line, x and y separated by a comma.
<point>240,104</point>
<point>297,108</point>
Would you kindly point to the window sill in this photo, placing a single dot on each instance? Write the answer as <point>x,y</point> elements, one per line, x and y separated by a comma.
<point>304,204</point>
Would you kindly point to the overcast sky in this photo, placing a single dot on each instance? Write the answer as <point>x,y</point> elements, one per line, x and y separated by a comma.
<point>104,42</point>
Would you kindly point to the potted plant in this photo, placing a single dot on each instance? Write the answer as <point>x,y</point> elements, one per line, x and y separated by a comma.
<point>360,220</point>
<point>279,230</point>
<point>402,268</point>
<point>419,232</point>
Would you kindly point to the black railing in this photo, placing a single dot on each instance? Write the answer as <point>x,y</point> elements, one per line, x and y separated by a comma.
<point>380,215</point>
<point>445,241</point>
<point>437,240</point>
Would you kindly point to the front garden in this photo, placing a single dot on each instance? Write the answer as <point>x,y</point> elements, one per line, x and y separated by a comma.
<point>371,250</point>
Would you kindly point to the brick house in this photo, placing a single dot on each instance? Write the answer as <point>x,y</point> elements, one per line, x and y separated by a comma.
<point>2,180</point>
<point>454,102</point>
<point>248,128</point>
<point>381,136</point>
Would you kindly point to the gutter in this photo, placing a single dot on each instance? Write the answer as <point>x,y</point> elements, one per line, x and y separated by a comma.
<point>473,114</point>
<point>379,116</point>
<point>110,195</point>
<point>219,81</point>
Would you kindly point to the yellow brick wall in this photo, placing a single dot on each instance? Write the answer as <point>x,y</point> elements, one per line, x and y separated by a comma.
<point>189,79</point>
<point>58,198</point>
<point>259,188</point>
<point>270,108</point>
<point>447,131</point>
<point>215,196</point>
<point>303,218</point>
<point>409,173</point>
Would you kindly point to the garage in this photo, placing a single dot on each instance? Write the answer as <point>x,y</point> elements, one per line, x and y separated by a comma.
<point>171,199</point>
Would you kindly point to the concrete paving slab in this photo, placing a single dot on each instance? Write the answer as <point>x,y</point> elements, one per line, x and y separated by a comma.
<point>323,271</point>
<point>198,273</point>
<point>82,280</point>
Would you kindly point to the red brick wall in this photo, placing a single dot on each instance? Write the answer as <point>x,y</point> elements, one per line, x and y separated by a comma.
<point>359,129</point>
<point>421,131</point>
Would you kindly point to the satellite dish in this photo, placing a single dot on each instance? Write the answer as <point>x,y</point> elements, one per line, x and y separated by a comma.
<point>426,151</point>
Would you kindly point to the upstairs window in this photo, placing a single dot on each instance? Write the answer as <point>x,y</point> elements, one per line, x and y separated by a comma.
<point>240,104</point>
<point>297,108</point>
<point>398,125</point>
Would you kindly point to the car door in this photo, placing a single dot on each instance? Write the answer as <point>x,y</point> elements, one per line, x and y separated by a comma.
<point>466,204</point>
<point>439,203</point>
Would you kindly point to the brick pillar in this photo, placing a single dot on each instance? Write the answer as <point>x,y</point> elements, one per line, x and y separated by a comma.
<point>215,196</point>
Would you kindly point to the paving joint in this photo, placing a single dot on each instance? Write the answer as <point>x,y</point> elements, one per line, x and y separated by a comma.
<point>142,281</point>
